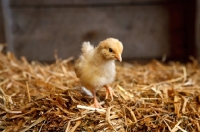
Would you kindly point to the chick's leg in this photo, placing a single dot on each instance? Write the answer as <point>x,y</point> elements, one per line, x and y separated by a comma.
<point>96,103</point>
<point>109,91</point>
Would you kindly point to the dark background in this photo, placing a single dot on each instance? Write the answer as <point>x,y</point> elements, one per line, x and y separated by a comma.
<point>147,28</point>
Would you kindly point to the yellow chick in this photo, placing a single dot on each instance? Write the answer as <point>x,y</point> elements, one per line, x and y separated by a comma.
<point>96,67</point>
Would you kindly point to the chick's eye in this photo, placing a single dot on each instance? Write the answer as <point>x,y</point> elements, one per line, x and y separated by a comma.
<point>110,50</point>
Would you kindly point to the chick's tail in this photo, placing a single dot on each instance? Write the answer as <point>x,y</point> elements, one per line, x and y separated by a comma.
<point>86,46</point>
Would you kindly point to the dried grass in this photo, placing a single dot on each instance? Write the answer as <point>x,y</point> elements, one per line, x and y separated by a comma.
<point>151,97</point>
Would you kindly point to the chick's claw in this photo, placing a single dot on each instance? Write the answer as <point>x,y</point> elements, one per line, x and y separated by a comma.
<point>109,91</point>
<point>96,104</point>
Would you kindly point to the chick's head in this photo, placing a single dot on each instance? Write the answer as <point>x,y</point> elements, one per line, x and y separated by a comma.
<point>111,49</point>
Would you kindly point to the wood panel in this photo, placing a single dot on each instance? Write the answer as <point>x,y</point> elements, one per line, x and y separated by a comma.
<point>81,2</point>
<point>2,33</point>
<point>37,32</point>
<point>182,30</point>
<point>197,27</point>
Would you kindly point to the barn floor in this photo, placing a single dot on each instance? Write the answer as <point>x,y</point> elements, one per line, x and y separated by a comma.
<point>151,97</point>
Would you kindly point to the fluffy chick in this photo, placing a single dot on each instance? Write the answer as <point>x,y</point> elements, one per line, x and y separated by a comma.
<point>96,67</point>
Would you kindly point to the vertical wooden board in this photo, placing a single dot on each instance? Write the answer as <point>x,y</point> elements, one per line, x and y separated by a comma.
<point>79,2</point>
<point>198,28</point>
<point>2,33</point>
<point>37,32</point>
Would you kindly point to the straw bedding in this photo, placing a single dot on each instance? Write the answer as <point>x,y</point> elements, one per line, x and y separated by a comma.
<point>46,97</point>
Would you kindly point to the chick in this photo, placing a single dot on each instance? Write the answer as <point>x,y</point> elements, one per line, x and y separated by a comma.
<point>96,67</point>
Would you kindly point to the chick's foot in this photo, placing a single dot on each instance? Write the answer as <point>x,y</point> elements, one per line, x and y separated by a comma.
<point>109,91</point>
<point>96,103</point>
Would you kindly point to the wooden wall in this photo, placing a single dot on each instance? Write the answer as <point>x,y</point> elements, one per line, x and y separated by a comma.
<point>182,29</point>
<point>2,33</point>
<point>198,28</point>
<point>146,28</point>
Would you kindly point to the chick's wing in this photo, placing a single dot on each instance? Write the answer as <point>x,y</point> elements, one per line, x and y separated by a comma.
<point>87,52</point>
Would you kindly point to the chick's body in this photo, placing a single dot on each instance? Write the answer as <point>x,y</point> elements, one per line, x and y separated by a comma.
<point>95,73</point>
<point>96,67</point>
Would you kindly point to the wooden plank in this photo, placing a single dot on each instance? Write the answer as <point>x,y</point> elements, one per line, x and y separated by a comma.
<point>197,32</point>
<point>36,33</point>
<point>190,12</point>
<point>2,33</point>
<point>182,30</point>
<point>77,2</point>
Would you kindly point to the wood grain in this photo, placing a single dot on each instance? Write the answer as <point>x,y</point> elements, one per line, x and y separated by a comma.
<point>36,33</point>
<point>2,33</point>
<point>81,2</point>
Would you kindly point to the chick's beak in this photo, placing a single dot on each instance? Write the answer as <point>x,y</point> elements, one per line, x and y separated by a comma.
<point>118,57</point>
